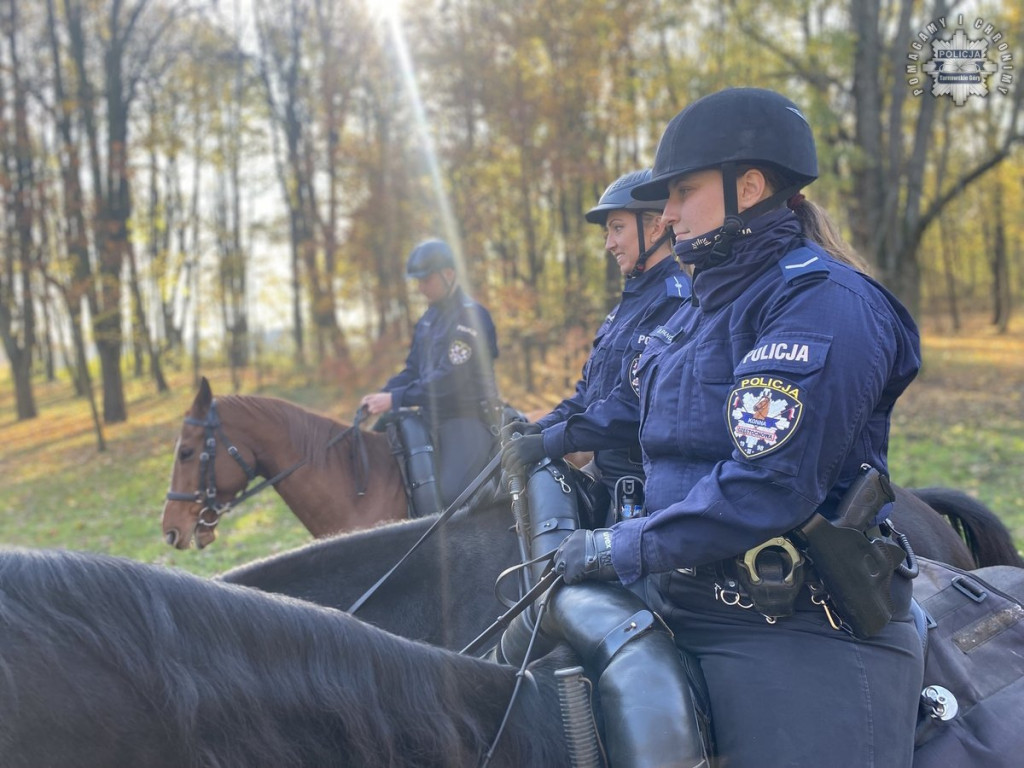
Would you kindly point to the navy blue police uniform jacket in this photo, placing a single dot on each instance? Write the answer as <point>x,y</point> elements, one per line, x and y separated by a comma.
<point>759,408</point>
<point>603,415</point>
<point>449,371</point>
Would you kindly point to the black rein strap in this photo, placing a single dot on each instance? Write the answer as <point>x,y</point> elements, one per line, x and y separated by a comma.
<point>360,462</point>
<point>455,505</point>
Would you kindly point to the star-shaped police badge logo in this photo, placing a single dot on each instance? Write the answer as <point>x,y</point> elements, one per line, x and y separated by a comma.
<point>959,67</point>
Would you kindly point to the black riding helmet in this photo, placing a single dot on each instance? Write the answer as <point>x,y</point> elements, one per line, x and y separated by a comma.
<point>429,257</point>
<point>618,197</point>
<point>730,128</point>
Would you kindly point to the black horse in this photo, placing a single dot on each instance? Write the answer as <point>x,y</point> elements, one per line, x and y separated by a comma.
<point>444,593</point>
<point>987,538</point>
<point>107,662</point>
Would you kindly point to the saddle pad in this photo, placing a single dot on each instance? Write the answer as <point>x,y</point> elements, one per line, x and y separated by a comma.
<point>976,651</point>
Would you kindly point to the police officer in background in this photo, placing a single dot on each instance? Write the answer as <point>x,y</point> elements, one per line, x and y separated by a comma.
<point>449,373</point>
<point>758,413</point>
<point>603,414</point>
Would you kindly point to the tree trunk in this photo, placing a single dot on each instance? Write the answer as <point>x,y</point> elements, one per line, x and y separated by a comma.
<point>1001,293</point>
<point>144,335</point>
<point>17,298</point>
<point>948,245</point>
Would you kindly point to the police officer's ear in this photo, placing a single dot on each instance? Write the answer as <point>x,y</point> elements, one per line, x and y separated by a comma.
<point>751,188</point>
<point>655,225</point>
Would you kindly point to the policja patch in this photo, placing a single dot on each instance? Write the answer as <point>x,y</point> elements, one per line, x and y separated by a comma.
<point>764,412</point>
<point>459,352</point>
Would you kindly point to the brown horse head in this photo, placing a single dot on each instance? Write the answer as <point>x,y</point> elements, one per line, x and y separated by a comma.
<point>334,477</point>
<point>208,472</point>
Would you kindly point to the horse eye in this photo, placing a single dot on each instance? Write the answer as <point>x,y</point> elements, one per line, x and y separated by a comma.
<point>186,453</point>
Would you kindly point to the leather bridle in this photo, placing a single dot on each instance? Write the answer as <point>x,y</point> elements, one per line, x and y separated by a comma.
<point>206,493</point>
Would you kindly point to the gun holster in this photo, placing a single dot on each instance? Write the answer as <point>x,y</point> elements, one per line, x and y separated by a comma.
<point>854,569</point>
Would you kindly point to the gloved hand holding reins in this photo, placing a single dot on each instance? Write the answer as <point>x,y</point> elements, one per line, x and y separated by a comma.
<point>585,554</point>
<point>522,450</point>
<point>519,428</point>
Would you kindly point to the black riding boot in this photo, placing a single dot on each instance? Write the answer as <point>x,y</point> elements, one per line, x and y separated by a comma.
<point>420,465</point>
<point>650,720</point>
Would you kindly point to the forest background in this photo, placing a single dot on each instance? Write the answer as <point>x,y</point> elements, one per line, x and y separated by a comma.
<point>231,187</point>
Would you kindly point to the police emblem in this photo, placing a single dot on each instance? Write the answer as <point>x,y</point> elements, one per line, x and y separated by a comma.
<point>634,380</point>
<point>459,352</point>
<point>763,414</point>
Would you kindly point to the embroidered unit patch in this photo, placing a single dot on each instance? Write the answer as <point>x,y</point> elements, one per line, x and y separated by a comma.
<point>634,379</point>
<point>764,412</point>
<point>459,352</point>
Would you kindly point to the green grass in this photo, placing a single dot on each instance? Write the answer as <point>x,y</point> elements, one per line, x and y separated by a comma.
<point>58,490</point>
<point>960,425</point>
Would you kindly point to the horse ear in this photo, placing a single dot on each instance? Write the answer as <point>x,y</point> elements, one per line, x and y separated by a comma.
<point>204,397</point>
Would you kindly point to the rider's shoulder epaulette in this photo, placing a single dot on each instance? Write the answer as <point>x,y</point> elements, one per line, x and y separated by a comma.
<point>803,262</point>
<point>678,286</point>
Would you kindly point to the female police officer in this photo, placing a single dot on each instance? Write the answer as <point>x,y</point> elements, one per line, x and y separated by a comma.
<point>603,414</point>
<point>756,413</point>
<point>448,375</point>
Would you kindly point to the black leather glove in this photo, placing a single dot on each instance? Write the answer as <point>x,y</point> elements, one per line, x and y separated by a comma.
<point>586,554</point>
<point>518,454</point>
<point>519,428</point>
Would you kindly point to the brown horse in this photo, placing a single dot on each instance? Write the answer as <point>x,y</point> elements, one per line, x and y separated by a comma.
<point>334,477</point>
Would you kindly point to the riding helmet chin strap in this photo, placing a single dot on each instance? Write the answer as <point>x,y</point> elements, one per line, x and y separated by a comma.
<point>645,254</point>
<point>736,222</point>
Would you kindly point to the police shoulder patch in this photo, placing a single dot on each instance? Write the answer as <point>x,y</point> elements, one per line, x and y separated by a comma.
<point>459,352</point>
<point>763,414</point>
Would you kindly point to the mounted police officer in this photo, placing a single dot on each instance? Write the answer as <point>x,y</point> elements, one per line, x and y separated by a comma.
<point>761,413</point>
<point>448,379</point>
<point>603,413</point>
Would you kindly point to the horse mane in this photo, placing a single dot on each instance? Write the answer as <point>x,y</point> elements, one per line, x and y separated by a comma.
<point>97,651</point>
<point>308,431</point>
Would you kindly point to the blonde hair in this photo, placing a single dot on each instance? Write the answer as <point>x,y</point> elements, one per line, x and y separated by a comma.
<point>817,225</point>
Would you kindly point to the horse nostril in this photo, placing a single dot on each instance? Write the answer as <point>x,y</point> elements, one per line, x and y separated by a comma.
<point>171,537</point>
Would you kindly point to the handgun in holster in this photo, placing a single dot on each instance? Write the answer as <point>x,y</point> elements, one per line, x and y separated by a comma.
<point>854,561</point>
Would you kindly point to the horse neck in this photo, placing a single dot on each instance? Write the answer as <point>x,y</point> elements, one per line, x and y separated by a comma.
<point>328,492</point>
<point>306,682</point>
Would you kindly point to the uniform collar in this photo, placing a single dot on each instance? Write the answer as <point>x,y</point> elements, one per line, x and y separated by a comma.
<point>769,238</point>
<point>454,299</point>
<point>657,273</point>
